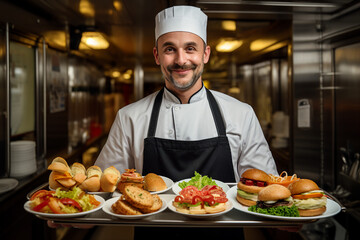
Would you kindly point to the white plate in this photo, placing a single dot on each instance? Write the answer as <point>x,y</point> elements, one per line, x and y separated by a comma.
<point>229,206</point>
<point>7,184</point>
<point>111,201</point>
<point>332,208</point>
<point>176,189</point>
<point>169,184</point>
<point>65,215</point>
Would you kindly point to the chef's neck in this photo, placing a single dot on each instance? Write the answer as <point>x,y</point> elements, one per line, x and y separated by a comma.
<point>185,95</point>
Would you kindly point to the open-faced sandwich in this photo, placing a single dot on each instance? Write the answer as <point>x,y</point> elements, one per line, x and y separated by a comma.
<point>210,199</point>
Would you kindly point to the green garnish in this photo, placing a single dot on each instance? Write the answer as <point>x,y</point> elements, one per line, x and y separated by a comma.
<point>277,211</point>
<point>198,181</point>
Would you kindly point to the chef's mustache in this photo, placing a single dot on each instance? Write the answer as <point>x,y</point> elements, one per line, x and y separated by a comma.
<point>181,67</point>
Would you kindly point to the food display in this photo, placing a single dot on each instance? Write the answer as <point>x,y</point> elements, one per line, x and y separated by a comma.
<point>252,181</point>
<point>91,180</point>
<point>154,183</point>
<point>308,198</point>
<point>276,200</point>
<point>130,178</point>
<point>210,199</point>
<point>198,181</point>
<point>63,202</point>
<point>136,201</point>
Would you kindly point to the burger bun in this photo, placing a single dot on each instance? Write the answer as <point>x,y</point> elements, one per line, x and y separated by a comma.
<point>273,192</point>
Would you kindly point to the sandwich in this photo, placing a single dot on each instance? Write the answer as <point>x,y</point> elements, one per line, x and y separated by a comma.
<point>130,178</point>
<point>276,200</point>
<point>109,179</point>
<point>308,198</point>
<point>153,182</point>
<point>252,181</point>
<point>60,176</point>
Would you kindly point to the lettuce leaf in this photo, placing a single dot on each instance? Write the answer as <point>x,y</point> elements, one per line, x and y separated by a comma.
<point>198,181</point>
<point>277,211</point>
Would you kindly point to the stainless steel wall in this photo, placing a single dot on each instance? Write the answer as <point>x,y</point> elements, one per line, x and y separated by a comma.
<point>316,150</point>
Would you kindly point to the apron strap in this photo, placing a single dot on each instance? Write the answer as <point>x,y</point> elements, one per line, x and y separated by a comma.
<point>219,122</point>
<point>155,114</point>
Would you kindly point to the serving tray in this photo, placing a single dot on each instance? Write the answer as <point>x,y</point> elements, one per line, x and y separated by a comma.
<point>168,218</point>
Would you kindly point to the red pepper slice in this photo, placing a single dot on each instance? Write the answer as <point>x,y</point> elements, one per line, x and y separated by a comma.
<point>38,208</point>
<point>179,199</point>
<point>41,194</point>
<point>72,202</point>
<point>196,199</point>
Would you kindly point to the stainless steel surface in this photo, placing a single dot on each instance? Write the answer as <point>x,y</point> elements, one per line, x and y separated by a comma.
<point>3,104</point>
<point>8,129</point>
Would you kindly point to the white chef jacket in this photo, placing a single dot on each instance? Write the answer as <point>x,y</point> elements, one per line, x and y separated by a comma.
<point>124,147</point>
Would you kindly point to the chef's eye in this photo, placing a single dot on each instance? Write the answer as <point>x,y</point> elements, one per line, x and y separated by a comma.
<point>169,50</point>
<point>191,49</point>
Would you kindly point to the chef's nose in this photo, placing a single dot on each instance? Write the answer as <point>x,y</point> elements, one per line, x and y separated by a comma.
<point>181,58</point>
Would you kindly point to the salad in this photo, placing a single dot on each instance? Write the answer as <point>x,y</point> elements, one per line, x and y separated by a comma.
<point>62,202</point>
<point>198,181</point>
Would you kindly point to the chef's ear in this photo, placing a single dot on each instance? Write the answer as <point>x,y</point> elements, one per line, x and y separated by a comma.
<point>207,53</point>
<point>156,55</point>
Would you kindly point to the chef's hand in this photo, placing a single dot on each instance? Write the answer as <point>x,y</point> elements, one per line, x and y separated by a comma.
<point>51,224</point>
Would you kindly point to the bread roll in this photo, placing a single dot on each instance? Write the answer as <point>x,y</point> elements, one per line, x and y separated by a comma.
<point>109,179</point>
<point>60,165</point>
<point>92,182</point>
<point>78,172</point>
<point>60,175</point>
<point>153,182</point>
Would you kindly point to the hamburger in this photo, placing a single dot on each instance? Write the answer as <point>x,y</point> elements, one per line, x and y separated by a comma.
<point>276,200</point>
<point>308,198</point>
<point>252,181</point>
<point>130,178</point>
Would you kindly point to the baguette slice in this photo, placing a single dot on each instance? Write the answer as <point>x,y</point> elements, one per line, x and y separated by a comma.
<point>59,164</point>
<point>109,179</point>
<point>78,172</point>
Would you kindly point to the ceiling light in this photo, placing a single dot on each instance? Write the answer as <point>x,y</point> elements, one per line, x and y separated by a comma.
<point>86,8</point>
<point>117,5</point>
<point>260,44</point>
<point>228,45</point>
<point>228,25</point>
<point>94,40</point>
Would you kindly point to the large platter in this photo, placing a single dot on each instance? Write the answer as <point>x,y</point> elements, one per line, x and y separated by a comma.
<point>176,189</point>
<point>66,215</point>
<point>229,206</point>
<point>332,208</point>
<point>107,209</point>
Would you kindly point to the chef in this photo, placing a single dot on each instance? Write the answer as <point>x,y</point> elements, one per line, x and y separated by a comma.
<point>186,127</point>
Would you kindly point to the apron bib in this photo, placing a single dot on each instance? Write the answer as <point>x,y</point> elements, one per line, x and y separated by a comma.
<point>180,159</point>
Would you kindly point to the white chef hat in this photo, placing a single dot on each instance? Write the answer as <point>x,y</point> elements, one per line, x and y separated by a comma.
<point>181,18</point>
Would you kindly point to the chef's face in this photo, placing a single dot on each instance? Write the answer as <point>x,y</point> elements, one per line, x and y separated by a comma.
<point>181,56</point>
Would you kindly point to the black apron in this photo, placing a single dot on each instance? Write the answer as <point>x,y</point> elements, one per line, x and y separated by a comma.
<point>180,159</point>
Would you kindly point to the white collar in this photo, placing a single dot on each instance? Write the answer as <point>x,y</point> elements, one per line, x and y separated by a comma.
<point>197,96</point>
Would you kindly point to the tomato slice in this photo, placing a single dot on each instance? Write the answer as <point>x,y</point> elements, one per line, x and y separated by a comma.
<point>306,196</point>
<point>179,199</point>
<point>41,194</point>
<point>38,208</point>
<point>54,206</point>
<point>71,202</point>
